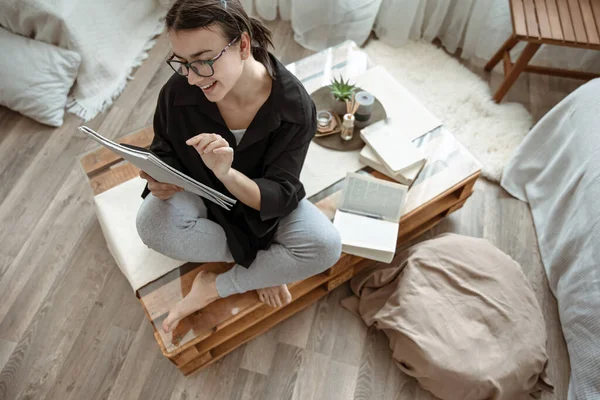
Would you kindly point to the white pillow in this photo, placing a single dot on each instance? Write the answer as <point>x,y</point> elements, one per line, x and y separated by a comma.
<point>35,77</point>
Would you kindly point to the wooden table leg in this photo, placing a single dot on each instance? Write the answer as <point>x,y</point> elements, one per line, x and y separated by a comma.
<point>514,72</point>
<point>507,46</point>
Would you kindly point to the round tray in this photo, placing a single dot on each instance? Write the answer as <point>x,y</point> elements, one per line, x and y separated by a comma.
<point>324,100</point>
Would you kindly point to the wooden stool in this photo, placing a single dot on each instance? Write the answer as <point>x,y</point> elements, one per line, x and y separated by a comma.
<point>572,23</point>
<point>211,333</point>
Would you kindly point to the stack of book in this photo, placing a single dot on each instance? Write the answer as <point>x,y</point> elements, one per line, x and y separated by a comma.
<point>391,152</point>
<point>389,145</point>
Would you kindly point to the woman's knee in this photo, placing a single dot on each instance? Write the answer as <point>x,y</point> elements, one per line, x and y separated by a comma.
<point>327,245</point>
<point>146,221</point>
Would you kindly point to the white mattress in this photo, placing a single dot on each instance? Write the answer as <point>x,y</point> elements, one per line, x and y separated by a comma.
<point>117,210</point>
<point>557,171</point>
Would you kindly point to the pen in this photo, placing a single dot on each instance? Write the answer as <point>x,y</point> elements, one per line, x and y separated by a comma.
<point>361,213</point>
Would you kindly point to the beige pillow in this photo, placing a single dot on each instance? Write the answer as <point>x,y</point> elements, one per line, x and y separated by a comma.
<point>461,317</point>
<point>35,77</point>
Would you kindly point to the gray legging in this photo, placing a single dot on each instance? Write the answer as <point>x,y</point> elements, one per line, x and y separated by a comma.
<point>306,242</point>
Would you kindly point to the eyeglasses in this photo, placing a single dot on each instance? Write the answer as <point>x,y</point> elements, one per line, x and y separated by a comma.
<point>200,67</point>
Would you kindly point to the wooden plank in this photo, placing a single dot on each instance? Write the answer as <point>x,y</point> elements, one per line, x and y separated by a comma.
<point>554,19</point>
<point>103,157</point>
<point>345,261</point>
<point>518,17</point>
<point>506,47</point>
<point>297,292</point>
<point>258,329</point>
<point>516,70</point>
<point>338,280</point>
<point>577,20</point>
<point>186,356</point>
<point>530,19</point>
<point>467,189</point>
<point>565,73</point>
<point>457,206</point>
<point>542,16</point>
<point>506,62</point>
<point>434,208</point>
<point>591,28</point>
<point>596,11</point>
<point>430,223</point>
<point>159,301</point>
<point>112,177</point>
<point>565,20</point>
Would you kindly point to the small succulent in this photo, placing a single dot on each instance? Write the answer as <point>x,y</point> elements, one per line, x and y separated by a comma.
<point>341,90</point>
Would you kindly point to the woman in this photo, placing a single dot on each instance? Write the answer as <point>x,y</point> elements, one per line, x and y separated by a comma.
<point>232,117</point>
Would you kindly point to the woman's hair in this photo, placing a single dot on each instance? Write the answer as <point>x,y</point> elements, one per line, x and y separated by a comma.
<point>230,15</point>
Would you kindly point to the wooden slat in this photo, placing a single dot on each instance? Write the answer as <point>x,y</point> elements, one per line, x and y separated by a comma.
<point>518,16</point>
<point>542,16</point>
<point>530,19</point>
<point>103,158</point>
<point>507,63</point>
<point>255,330</point>
<point>338,280</point>
<point>596,10</point>
<point>343,264</point>
<point>159,301</point>
<point>186,356</point>
<point>577,21</point>
<point>565,20</point>
<point>253,313</point>
<point>298,293</point>
<point>112,177</point>
<point>554,19</point>
<point>565,73</point>
<point>506,47</point>
<point>590,24</point>
<point>526,55</point>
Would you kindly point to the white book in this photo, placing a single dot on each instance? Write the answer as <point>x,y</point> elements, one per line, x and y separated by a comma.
<point>406,177</point>
<point>414,117</point>
<point>395,150</point>
<point>148,162</point>
<point>368,217</point>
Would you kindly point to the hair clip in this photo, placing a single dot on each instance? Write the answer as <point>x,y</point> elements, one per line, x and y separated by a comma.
<point>224,4</point>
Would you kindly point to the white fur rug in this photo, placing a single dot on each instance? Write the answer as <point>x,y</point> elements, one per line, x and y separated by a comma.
<point>459,98</point>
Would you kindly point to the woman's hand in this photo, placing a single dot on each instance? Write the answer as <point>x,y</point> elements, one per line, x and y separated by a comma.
<point>214,151</point>
<point>163,191</point>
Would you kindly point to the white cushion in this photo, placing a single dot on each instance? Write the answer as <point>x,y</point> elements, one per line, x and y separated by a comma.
<point>117,210</point>
<point>36,77</point>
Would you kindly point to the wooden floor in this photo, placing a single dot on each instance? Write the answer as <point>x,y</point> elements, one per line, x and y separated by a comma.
<point>71,328</point>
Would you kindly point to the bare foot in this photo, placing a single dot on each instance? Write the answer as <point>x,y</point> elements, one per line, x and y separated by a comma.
<point>202,293</point>
<point>275,296</point>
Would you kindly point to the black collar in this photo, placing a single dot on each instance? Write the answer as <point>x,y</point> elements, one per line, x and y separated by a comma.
<point>283,104</point>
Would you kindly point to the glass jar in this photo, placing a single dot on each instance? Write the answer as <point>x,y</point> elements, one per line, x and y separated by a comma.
<point>347,127</point>
<point>324,118</point>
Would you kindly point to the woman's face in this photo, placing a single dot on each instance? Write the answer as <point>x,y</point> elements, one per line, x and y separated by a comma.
<point>206,44</point>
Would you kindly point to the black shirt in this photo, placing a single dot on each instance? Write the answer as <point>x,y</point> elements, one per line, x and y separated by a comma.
<point>271,152</point>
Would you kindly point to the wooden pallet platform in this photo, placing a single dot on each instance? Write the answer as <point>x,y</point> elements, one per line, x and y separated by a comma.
<point>211,333</point>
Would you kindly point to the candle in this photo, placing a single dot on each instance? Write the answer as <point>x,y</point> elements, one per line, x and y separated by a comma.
<point>324,118</point>
<point>365,102</point>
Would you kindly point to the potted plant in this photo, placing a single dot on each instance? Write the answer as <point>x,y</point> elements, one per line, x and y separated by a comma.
<point>341,91</point>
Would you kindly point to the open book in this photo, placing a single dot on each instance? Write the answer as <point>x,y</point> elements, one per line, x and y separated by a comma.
<point>368,217</point>
<point>149,162</point>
